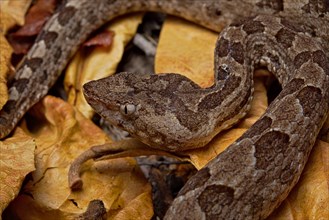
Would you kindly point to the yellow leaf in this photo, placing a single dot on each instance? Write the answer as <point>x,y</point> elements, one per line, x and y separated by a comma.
<point>61,134</point>
<point>13,13</point>
<point>188,49</point>
<point>16,161</point>
<point>101,62</point>
<point>5,68</point>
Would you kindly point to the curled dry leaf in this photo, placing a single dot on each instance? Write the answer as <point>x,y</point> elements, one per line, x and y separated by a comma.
<point>188,49</point>
<point>16,161</point>
<point>100,62</point>
<point>61,134</point>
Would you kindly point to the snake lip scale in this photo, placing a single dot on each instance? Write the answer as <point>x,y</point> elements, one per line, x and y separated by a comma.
<point>168,111</point>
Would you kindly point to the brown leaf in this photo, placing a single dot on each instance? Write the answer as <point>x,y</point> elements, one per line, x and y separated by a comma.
<point>103,39</point>
<point>20,45</point>
<point>16,161</point>
<point>38,14</point>
<point>36,17</point>
<point>61,134</point>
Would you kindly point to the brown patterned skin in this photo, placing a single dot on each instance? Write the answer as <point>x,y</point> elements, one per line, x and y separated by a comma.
<point>252,177</point>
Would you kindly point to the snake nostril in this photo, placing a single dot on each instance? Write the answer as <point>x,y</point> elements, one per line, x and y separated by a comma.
<point>218,12</point>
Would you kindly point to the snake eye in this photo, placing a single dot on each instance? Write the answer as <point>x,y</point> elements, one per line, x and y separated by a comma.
<point>127,109</point>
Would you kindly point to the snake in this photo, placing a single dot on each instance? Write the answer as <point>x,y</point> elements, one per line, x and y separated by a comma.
<point>253,175</point>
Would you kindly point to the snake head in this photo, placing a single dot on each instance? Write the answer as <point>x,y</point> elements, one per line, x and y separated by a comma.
<point>116,98</point>
<point>150,107</point>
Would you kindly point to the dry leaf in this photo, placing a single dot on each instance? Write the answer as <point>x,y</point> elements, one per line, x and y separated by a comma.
<point>16,161</point>
<point>5,68</point>
<point>188,49</point>
<point>12,13</point>
<point>36,17</point>
<point>61,134</point>
<point>103,39</point>
<point>38,14</point>
<point>101,62</point>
